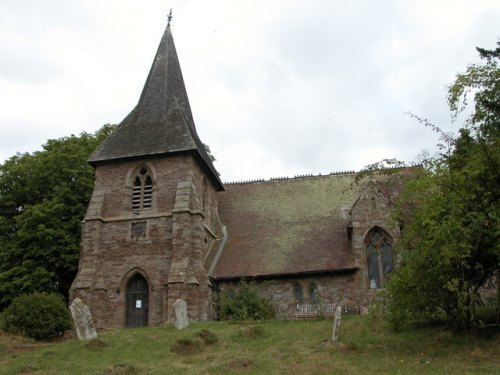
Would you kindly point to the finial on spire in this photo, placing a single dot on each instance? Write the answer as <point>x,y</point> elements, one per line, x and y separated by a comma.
<point>169,16</point>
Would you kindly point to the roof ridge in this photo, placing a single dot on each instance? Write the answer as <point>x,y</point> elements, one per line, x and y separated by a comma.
<point>296,177</point>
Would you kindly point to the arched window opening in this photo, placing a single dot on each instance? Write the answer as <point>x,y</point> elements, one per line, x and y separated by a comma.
<point>379,258</point>
<point>313,294</point>
<point>299,294</point>
<point>142,191</point>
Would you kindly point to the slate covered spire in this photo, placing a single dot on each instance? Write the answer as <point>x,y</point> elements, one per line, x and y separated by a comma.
<point>162,122</point>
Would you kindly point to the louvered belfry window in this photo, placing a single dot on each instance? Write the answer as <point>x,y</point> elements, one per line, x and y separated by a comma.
<point>142,192</point>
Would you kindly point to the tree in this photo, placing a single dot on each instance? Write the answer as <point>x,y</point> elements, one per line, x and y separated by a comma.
<point>449,248</point>
<point>209,152</point>
<point>43,197</point>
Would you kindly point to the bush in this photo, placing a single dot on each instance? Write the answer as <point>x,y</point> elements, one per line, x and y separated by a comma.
<point>39,316</point>
<point>245,304</point>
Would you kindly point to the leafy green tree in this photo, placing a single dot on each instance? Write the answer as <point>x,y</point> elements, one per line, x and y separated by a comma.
<point>209,152</point>
<point>43,198</point>
<point>450,249</point>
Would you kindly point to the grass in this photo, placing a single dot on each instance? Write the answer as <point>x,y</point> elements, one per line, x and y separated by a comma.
<point>273,347</point>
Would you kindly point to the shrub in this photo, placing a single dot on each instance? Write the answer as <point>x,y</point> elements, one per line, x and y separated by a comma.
<point>39,316</point>
<point>245,304</point>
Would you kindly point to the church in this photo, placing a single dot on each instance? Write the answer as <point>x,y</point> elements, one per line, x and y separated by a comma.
<point>162,226</point>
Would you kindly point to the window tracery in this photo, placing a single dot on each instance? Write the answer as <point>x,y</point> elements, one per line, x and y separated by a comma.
<point>379,258</point>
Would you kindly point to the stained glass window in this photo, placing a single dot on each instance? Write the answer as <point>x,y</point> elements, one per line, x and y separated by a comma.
<point>379,258</point>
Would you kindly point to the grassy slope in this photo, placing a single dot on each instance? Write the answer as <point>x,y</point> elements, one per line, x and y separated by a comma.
<point>286,347</point>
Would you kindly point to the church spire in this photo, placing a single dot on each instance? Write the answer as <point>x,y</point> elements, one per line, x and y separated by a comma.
<point>162,122</point>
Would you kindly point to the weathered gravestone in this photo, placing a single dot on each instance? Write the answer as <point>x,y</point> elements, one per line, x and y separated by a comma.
<point>336,324</point>
<point>181,317</point>
<point>82,317</point>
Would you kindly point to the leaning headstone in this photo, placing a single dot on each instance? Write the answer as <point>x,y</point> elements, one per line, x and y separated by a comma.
<point>336,324</point>
<point>181,316</point>
<point>82,317</point>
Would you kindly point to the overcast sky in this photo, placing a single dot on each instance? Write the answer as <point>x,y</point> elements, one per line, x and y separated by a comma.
<point>277,87</point>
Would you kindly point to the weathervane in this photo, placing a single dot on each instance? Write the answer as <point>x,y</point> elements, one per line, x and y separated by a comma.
<point>169,16</point>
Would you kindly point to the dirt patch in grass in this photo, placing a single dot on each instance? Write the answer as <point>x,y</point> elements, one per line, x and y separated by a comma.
<point>187,347</point>
<point>95,344</point>
<point>208,337</point>
<point>346,347</point>
<point>255,332</point>
<point>242,363</point>
<point>123,370</point>
<point>27,370</point>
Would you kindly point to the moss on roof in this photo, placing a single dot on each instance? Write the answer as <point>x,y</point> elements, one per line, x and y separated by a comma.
<point>287,226</point>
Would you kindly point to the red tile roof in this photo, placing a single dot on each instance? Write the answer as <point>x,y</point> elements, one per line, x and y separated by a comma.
<point>287,226</point>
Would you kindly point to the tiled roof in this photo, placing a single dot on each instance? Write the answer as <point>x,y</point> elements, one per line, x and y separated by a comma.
<point>287,226</point>
<point>162,122</point>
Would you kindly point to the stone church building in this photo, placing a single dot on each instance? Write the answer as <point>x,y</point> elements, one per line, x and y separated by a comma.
<point>161,225</point>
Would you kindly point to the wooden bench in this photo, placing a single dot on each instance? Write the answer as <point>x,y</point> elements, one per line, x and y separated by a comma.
<point>315,311</point>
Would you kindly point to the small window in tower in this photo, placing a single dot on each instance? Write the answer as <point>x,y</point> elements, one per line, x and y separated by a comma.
<point>142,190</point>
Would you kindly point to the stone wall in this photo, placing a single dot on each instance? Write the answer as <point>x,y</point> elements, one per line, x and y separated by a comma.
<point>174,235</point>
<point>332,289</point>
<point>316,203</point>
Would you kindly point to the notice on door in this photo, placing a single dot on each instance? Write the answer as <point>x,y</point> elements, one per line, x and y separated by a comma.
<point>138,304</point>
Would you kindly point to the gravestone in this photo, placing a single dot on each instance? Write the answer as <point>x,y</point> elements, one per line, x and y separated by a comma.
<point>82,317</point>
<point>349,307</point>
<point>336,324</point>
<point>181,316</point>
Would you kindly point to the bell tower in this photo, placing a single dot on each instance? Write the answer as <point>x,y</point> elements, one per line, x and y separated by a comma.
<point>153,215</point>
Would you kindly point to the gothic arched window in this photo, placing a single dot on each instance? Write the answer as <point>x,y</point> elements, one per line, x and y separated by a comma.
<point>379,258</point>
<point>313,294</point>
<point>298,293</point>
<point>142,192</point>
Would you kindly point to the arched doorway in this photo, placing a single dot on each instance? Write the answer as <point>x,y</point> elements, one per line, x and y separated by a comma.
<point>137,301</point>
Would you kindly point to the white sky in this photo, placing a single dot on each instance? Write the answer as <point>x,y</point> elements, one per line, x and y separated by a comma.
<point>277,87</point>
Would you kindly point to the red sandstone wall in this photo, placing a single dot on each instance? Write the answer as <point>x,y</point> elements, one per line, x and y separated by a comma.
<point>110,254</point>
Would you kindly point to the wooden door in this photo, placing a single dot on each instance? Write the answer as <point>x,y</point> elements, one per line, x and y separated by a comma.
<point>137,301</point>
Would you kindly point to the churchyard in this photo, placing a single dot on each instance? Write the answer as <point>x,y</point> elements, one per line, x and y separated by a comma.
<point>365,346</point>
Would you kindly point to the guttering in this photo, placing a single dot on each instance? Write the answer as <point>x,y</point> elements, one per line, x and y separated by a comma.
<point>285,275</point>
